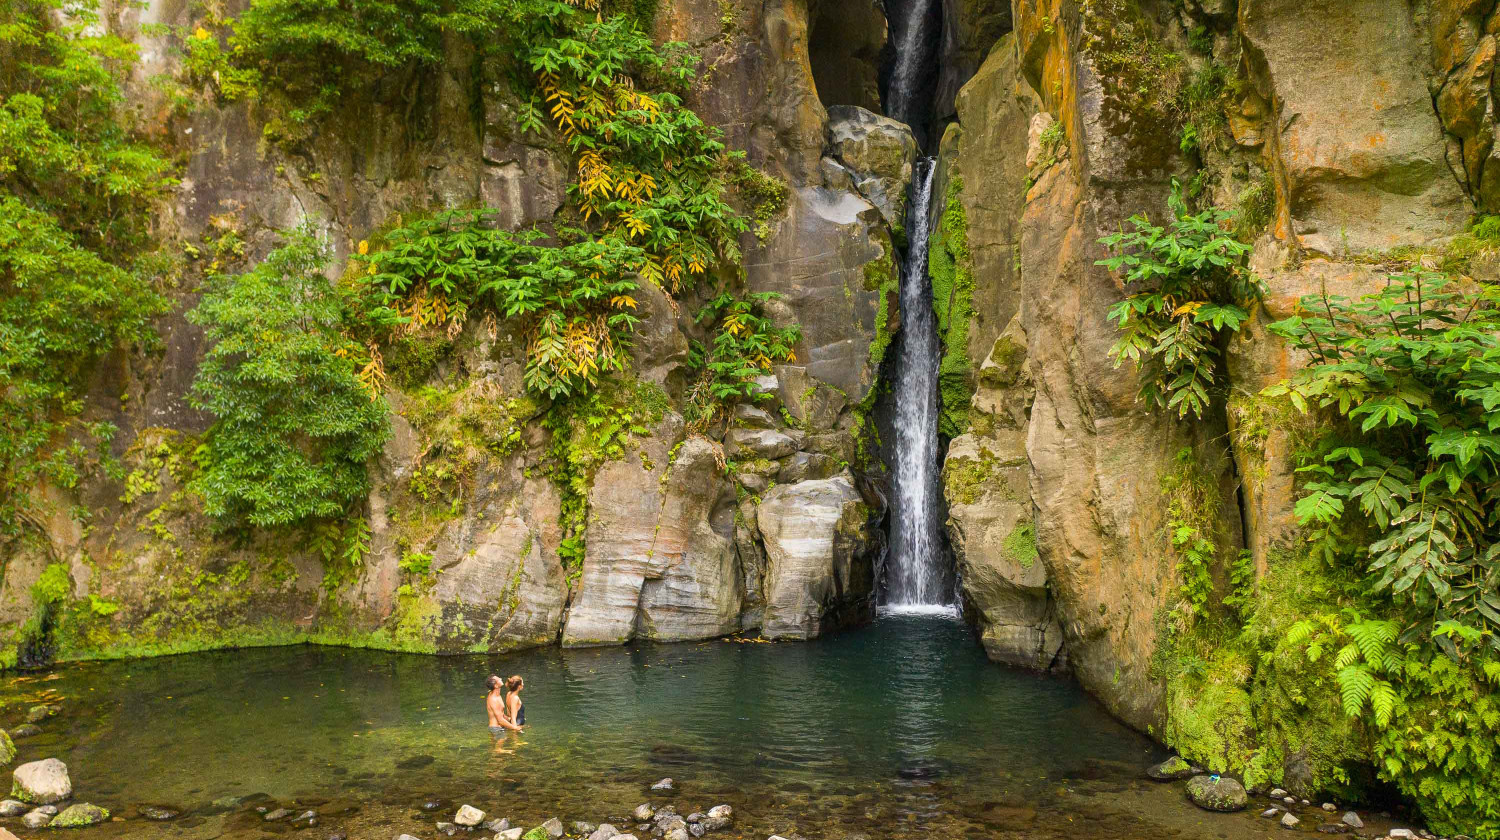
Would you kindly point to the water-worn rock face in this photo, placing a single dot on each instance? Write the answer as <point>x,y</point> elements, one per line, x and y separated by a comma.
<point>817,575</point>
<point>465,547</point>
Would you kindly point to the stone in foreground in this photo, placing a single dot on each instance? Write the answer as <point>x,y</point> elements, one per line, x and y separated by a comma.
<point>80,815</point>
<point>1216,794</point>
<point>1350,819</point>
<point>510,834</point>
<point>1172,770</point>
<point>643,812</point>
<point>42,782</point>
<point>1289,821</point>
<point>37,819</point>
<point>664,784</point>
<point>604,832</point>
<point>469,816</point>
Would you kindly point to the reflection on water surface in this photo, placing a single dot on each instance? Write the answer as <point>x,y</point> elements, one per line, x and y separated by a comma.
<point>898,730</point>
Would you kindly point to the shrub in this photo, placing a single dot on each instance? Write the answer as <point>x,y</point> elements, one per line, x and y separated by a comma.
<point>76,188</point>
<point>1408,480</point>
<point>744,344</point>
<point>1191,289</point>
<point>295,423</point>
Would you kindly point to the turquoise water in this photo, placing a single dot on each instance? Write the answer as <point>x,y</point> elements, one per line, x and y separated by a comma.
<point>898,730</point>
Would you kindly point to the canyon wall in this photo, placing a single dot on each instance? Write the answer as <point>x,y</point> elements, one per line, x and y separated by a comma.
<point>1340,131</point>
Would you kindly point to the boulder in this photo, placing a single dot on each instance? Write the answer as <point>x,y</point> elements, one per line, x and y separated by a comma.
<point>1289,821</point>
<point>37,714</point>
<point>42,782</point>
<point>1173,769</point>
<point>552,828</point>
<point>719,816</point>
<point>583,829</point>
<point>1352,820</point>
<point>818,572</point>
<point>878,152</point>
<point>80,815</point>
<point>468,816</point>
<point>604,832</point>
<point>26,730</point>
<point>13,808</point>
<point>746,444</point>
<point>660,562</point>
<point>1217,793</point>
<point>37,819</point>
<point>510,834</point>
<point>642,812</point>
<point>7,748</point>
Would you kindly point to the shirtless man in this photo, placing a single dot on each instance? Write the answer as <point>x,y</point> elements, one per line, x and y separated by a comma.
<point>494,706</point>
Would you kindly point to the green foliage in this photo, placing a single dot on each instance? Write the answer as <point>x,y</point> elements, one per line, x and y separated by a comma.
<point>951,266</point>
<point>343,547</point>
<point>295,425</point>
<point>1191,289</point>
<point>764,194</point>
<point>744,343</point>
<point>1192,521</point>
<point>572,301</point>
<point>308,53</point>
<point>1408,480</point>
<point>649,171</point>
<point>76,190</point>
<point>1366,657</point>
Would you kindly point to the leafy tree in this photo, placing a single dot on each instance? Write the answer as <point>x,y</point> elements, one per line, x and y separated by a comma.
<point>1411,474</point>
<point>1192,288</point>
<point>76,191</point>
<point>574,301</point>
<point>295,423</point>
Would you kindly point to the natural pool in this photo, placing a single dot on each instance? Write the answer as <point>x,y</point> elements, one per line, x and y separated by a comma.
<point>899,730</point>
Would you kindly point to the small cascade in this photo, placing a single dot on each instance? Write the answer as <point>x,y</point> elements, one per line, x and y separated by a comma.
<point>917,570</point>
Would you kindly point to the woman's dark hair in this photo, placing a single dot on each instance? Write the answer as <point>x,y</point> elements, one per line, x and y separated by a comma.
<point>492,683</point>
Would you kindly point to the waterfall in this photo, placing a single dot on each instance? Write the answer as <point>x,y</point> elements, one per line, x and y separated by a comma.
<point>917,572</point>
<point>914,34</point>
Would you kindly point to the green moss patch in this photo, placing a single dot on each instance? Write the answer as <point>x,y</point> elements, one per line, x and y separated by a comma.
<point>951,266</point>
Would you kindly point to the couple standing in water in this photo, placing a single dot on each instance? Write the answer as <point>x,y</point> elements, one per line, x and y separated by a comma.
<point>504,706</point>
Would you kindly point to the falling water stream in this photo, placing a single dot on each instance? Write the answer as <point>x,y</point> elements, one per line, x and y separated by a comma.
<point>917,569</point>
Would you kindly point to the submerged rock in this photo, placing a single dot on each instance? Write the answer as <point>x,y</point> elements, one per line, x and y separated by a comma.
<point>719,816</point>
<point>1350,819</point>
<point>552,828</point>
<point>643,812</point>
<point>1172,770</point>
<point>158,813</point>
<point>7,748</point>
<point>80,815</point>
<point>1289,821</point>
<point>42,782</point>
<point>13,808</point>
<point>604,832</point>
<point>664,784</point>
<point>278,814</point>
<point>37,714</point>
<point>26,730</point>
<point>37,819</point>
<point>1216,793</point>
<point>583,829</point>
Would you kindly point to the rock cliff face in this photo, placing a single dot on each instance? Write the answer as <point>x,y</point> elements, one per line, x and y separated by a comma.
<point>1340,130</point>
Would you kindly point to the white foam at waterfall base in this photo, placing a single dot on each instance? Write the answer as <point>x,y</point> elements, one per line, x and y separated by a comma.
<point>938,610</point>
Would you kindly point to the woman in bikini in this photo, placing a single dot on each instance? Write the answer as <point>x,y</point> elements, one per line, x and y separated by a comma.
<point>495,706</point>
